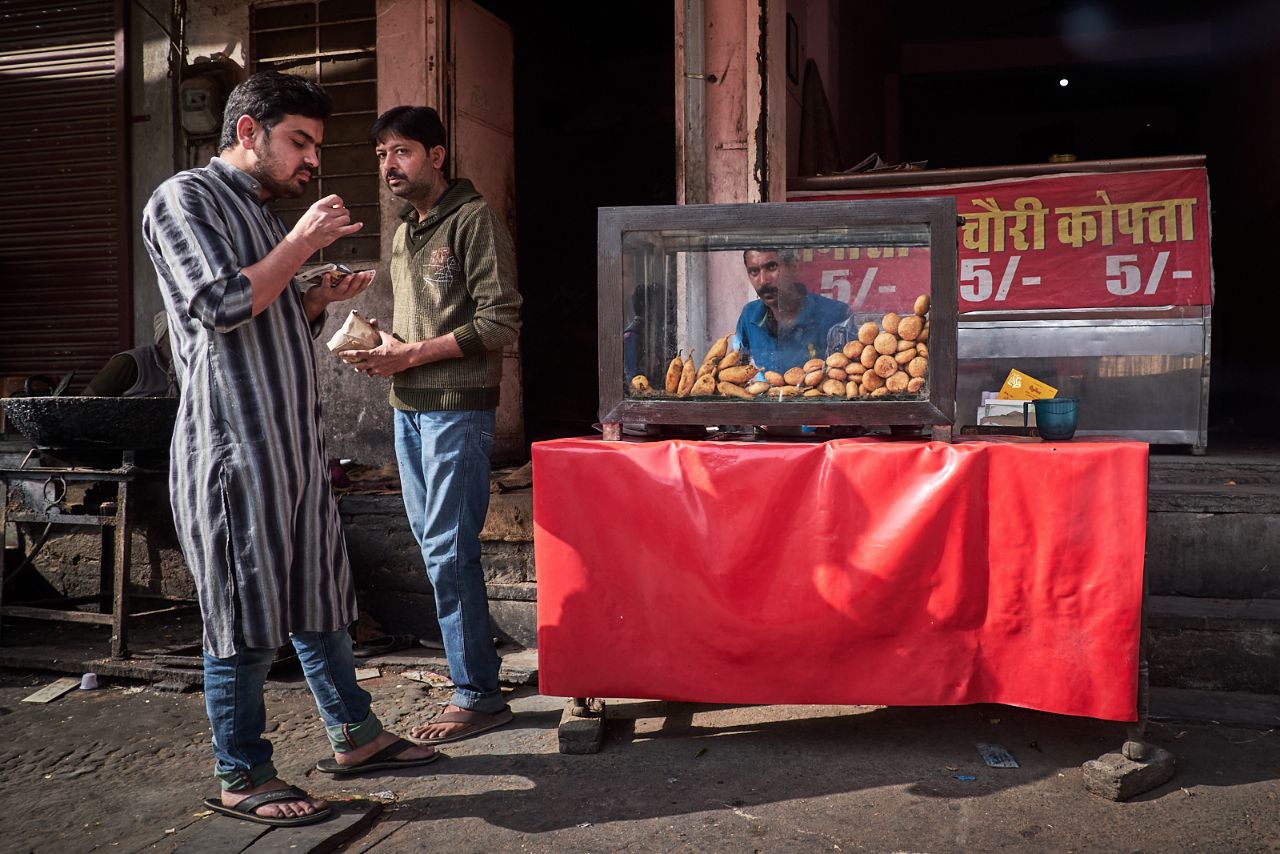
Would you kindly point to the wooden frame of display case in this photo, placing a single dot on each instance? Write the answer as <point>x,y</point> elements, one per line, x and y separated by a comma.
<point>937,411</point>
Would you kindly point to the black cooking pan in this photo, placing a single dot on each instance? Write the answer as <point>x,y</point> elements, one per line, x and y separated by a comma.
<point>130,423</point>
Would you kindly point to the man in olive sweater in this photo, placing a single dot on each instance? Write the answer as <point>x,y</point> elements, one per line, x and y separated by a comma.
<point>456,306</point>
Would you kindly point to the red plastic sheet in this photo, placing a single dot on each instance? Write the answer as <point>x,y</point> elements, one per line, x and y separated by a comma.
<point>858,571</point>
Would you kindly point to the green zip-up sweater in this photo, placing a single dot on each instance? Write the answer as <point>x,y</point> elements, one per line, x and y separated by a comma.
<point>454,271</point>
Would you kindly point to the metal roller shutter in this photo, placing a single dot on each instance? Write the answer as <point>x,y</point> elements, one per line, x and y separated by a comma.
<point>65,217</point>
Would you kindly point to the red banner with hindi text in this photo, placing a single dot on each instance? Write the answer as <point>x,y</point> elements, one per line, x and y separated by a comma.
<point>1095,240</point>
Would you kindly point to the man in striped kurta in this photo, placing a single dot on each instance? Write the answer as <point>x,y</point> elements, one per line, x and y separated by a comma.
<point>249,482</point>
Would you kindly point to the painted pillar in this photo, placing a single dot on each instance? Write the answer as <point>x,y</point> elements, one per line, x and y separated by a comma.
<point>730,138</point>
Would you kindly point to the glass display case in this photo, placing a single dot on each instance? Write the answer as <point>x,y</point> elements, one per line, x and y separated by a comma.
<point>779,315</point>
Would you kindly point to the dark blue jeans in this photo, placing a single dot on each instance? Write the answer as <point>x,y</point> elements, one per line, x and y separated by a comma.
<point>444,476</point>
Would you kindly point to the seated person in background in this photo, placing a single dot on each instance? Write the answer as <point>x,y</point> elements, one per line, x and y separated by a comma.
<point>787,326</point>
<point>145,371</point>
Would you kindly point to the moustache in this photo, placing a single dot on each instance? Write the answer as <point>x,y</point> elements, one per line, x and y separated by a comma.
<point>393,174</point>
<point>767,291</point>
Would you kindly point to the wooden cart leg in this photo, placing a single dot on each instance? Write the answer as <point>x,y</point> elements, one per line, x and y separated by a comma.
<point>4,533</point>
<point>941,433</point>
<point>120,584</point>
<point>612,431</point>
<point>582,725</point>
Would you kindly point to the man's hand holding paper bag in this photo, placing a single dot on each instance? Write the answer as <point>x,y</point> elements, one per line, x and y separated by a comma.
<point>356,333</point>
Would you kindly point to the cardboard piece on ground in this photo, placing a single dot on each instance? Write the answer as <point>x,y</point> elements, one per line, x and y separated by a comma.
<point>428,677</point>
<point>53,690</point>
<point>367,673</point>
<point>996,756</point>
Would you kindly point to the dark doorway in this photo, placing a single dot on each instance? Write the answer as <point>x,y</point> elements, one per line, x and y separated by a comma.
<point>959,88</point>
<point>595,127</point>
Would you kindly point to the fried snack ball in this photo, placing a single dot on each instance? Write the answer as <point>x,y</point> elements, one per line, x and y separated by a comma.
<point>915,384</point>
<point>814,365</point>
<point>921,307</point>
<point>905,345</point>
<point>837,360</point>
<point>924,333</point>
<point>922,349</point>
<point>837,374</point>
<point>872,381</point>
<point>880,392</point>
<point>640,384</point>
<point>813,378</point>
<point>918,366</point>
<point>905,356</point>
<point>704,385</point>
<point>794,376</point>
<point>757,388</point>
<point>833,388</point>
<point>886,366</point>
<point>783,391</point>
<point>868,357</point>
<point>886,343</point>
<point>773,378</point>
<point>856,369</point>
<point>853,349</point>
<point>909,328</point>
<point>890,322</point>
<point>867,332</point>
<point>813,392</point>
<point>852,389</point>
<point>898,382</point>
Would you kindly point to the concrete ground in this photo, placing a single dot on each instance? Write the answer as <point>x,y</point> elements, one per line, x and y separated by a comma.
<point>124,768</point>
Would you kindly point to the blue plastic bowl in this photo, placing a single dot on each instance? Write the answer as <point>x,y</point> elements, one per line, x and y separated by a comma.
<point>1056,418</point>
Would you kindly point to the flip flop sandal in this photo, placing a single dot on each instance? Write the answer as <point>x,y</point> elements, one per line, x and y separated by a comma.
<point>383,645</point>
<point>245,809</point>
<point>383,760</point>
<point>475,723</point>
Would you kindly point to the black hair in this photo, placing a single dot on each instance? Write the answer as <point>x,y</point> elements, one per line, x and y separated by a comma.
<point>421,124</point>
<point>785,253</point>
<point>267,97</point>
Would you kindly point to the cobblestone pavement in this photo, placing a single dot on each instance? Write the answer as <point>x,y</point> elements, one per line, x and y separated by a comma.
<point>114,769</point>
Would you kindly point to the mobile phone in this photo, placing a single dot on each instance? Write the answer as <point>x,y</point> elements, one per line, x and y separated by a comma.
<point>315,274</point>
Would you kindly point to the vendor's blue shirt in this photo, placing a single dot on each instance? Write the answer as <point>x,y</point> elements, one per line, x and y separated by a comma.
<point>805,340</point>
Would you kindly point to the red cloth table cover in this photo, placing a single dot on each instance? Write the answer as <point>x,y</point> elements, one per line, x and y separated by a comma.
<point>856,571</point>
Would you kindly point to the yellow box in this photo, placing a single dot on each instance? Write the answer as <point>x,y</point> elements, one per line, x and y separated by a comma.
<point>1020,386</point>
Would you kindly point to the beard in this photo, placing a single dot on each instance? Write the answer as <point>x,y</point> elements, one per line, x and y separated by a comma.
<point>267,171</point>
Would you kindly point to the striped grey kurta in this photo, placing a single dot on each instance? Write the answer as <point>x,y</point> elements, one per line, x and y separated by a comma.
<point>248,475</point>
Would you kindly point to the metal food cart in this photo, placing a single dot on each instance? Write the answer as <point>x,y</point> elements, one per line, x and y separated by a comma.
<point>1094,277</point>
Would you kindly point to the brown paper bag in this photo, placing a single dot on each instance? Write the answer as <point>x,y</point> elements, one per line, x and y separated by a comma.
<point>356,333</point>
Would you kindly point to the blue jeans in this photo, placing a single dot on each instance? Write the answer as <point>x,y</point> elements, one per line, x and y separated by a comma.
<point>238,715</point>
<point>444,476</point>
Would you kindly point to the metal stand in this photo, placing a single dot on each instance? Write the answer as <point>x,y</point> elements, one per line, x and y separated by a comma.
<point>1139,766</point>
<point>113,518</point>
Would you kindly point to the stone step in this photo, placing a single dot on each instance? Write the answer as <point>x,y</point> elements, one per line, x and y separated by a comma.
<point>1252,498</point>
<point>1239,469</point>
<point>1219,542</point>
<point>1214,644</point>
<point>1231,708</point>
